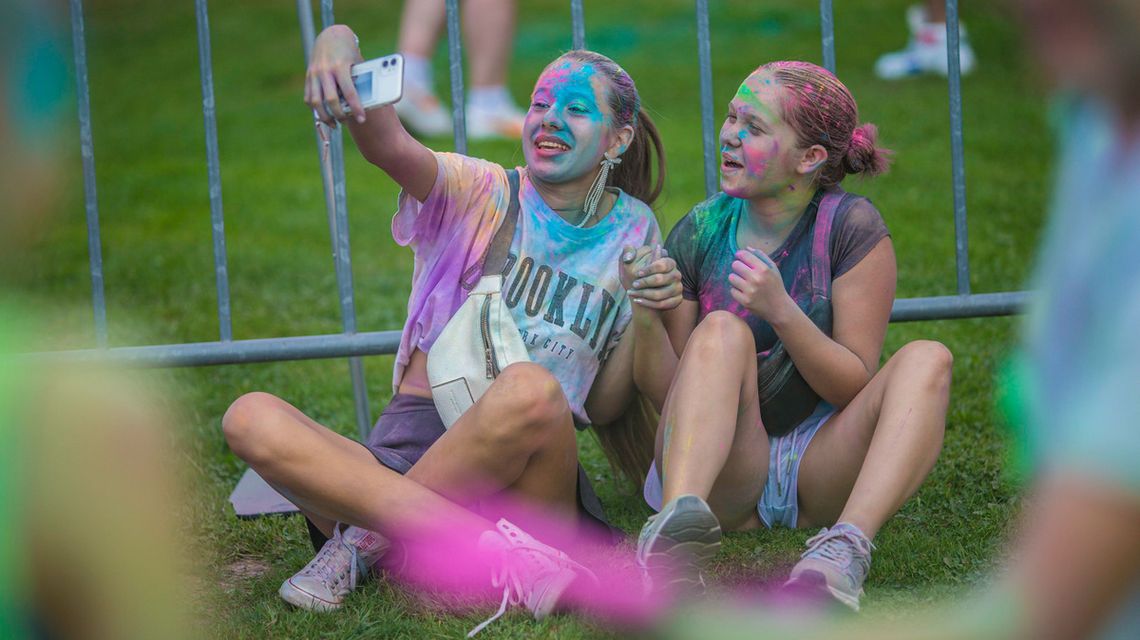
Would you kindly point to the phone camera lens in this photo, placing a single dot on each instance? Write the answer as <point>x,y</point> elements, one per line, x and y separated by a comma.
<point>385,63</point>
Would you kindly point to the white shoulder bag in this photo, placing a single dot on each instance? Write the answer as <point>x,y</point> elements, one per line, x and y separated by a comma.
<point>481,339</point>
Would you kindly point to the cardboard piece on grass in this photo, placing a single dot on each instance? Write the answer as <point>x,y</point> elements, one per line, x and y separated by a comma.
<point>253,498</point>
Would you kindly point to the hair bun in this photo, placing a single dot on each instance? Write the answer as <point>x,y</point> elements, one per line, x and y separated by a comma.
<point>863,155</point>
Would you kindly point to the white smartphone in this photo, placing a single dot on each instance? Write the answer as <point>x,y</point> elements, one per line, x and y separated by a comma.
<point>378,82</point>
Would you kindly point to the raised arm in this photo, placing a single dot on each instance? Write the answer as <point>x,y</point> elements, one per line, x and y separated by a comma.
<point>378,133</point>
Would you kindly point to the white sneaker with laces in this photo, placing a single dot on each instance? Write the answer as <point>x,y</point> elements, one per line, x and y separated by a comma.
<point>422,112</point>
<point>926,50</point>
<point>530,573</point>
<point>335,571</point>
<point>676,544</point>
<point>840,555</point>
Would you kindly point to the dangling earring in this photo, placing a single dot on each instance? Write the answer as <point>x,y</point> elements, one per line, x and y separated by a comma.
<point>594,195</point>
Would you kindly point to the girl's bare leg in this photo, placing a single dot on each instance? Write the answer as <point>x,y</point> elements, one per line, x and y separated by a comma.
<point>874,454</point>
<point>519,437</point>
<point>332,477</point>
<point>420,26</point>
<point>711,443</point>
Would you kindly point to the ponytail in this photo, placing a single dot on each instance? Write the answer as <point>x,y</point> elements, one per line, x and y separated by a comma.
<point>635,173</point>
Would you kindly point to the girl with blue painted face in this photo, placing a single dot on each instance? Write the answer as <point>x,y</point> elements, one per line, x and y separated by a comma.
<point>778,412</point>
<point>583,214</point>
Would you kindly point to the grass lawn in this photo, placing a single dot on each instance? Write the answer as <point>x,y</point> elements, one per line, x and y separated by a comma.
<point>154,209</point>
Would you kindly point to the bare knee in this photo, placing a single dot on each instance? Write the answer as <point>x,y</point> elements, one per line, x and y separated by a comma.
<point>928,357</point>
<point>526,398</point>
<point>719,335</point>
<point>247,425</point>
<point>928,361</point>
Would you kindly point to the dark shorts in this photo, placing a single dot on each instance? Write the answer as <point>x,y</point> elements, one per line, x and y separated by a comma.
<point>410,424</point>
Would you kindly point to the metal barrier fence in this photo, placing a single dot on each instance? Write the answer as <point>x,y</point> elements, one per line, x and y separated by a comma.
<point>354,344</point>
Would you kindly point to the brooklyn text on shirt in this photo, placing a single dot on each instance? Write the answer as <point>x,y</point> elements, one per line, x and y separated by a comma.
<point>546,290</point>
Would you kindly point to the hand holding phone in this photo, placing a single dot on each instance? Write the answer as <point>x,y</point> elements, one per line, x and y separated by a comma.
<point>377,82</point>
<point>333,82</point>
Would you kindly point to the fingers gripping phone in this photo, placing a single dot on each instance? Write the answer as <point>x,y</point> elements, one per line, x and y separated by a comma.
<point>378,82</point>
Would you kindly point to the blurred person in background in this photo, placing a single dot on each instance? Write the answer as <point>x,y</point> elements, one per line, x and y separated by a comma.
<point>925,52</point>
<point>1074,570</point>
<point>488,35</point>
<point>87,546</point>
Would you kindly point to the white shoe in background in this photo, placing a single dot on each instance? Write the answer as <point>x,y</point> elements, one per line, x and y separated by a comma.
<point>422,112</point>
<point>492,113</point>
<point>926,50</point>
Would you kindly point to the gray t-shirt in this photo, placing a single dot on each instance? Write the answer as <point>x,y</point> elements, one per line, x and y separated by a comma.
<point>704,245</point>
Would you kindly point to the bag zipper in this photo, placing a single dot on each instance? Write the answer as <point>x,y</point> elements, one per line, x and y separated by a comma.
<point>488,345</point>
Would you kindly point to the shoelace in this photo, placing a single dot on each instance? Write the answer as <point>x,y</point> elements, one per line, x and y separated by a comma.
<point>836,545</point>
<point>507,578</point>
<point>322,565</point>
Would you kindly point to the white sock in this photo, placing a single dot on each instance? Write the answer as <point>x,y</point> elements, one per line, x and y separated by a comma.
<point>417,71</point>
<point>490,98</point>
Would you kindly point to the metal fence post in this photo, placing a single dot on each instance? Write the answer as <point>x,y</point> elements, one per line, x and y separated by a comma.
<point>209,117</point>
<point>87,150</point>
<point>827,34</point>
<point>455,68</point>
<point>704,61</point>
<point>330,146</point>
<point>578,24</point>
<point>961,235</point>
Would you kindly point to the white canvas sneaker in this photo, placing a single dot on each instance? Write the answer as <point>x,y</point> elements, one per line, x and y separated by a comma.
<point>530,573</point>
<point>345,559</point>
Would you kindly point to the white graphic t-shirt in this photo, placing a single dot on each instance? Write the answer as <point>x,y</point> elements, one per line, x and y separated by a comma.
<point>560,282</point>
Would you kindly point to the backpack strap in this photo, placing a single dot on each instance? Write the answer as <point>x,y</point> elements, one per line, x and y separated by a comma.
<point>821,242</point>
<point>495,255</point>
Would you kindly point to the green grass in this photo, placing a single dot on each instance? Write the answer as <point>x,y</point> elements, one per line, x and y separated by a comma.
<point>154,209</point>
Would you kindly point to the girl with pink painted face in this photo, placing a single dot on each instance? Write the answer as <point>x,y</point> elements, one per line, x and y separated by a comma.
<point>566,280</point>
<point>778,412</point>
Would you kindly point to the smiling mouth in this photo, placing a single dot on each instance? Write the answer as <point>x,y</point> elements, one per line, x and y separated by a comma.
<point>551,145</point>
<point>728,163</point>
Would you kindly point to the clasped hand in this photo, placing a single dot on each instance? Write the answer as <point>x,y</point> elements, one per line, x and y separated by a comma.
<point>757,284</point>
<point>650,277</point>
